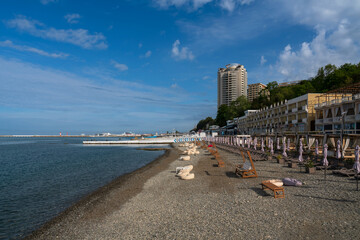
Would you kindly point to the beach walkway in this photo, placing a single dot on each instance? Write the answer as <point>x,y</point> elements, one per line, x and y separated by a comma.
<point>152,203</point>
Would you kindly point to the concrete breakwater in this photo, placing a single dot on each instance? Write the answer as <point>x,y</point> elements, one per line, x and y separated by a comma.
<point>145,141</point>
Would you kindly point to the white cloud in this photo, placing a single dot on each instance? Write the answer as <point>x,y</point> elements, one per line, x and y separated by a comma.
<point>45,2</point>
<point>174,85</point>
<point>182,53</point>
<point>146,55</point>
<point>72,18</point>
<point>228,5</point>
<point>206,77</point>
<point>263,60</point>
<point>246,2</point>
<point>79,37</point>
<point>47,99</point>
<point>140,45</point>
<point>337,40</point>
<point>10,44</point>
<point>322,50</point>
<point>121,67</point>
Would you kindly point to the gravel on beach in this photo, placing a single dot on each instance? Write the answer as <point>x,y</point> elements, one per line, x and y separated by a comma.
<point>152,203</point>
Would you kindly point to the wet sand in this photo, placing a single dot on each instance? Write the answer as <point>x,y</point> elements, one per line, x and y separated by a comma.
<point>152,203</point>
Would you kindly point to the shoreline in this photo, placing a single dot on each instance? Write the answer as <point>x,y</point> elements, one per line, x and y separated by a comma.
<point>99,203</point>
<point>216,204</point>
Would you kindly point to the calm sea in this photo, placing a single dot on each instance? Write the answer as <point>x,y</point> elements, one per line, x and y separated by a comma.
<point>41,177</point>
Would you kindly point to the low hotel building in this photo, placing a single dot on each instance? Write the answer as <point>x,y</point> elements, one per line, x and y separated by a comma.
<point>339,110</point>
<point>295,115</point>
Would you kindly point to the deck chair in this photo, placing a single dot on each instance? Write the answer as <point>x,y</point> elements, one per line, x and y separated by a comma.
<point>247,169</point>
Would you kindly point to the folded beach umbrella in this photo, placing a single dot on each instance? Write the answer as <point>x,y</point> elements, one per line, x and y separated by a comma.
<point>278,143</point>
<point>357,166</point>
<point>301,152</point>
<point>338,153</point>
<point>284,149</point>
<point>249,142</point>
<point>262,144</point>
<point>243,142</point>
<point>316,147</point>
<point>271,146</point>
<point>255,143</point>
<point>325,161</point>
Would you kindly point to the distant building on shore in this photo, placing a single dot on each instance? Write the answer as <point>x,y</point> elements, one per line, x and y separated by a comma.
<point>254,90</point>
<point>285,84</point>
<point>232,83</point>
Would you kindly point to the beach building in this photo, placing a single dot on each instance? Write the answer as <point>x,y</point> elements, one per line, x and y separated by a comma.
<point>254,90</point>
<point>295,115</point>
<point>340,111</point>
<point>232,83</point>
<point>285,84</point>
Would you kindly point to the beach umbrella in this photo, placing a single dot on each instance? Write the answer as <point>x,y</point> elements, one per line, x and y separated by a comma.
<point>269,142</point>
<point>338,153</point>
<point>278,143</point>
<point>271,146</point>
<point>243,142</point>
<point>262,144</point>
<point>288,144</point>
<point>316,147</point>
<point>325,161</point>
<point>301,152</point>
<point>255,143</point>
<point>357,166</point>
<point>284,149</point>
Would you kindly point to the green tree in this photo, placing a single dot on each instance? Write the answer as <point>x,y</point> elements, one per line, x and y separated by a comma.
<point>223,114</point>
<point>238,107</point>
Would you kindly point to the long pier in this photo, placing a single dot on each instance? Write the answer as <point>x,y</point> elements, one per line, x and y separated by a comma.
<point>142,141</point>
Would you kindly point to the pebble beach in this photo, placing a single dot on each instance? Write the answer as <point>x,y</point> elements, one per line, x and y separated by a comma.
<point>152,203</point>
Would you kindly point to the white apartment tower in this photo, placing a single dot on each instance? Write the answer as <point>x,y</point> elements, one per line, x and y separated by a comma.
<point>232,83</point>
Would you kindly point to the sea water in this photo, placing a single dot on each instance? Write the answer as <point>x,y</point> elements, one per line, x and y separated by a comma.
<point>41,177</point>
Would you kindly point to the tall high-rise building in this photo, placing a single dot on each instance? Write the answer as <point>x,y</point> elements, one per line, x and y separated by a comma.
<point>232,83</point>
<point>254,90</point>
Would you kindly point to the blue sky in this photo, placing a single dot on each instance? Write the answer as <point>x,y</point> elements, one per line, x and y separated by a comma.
<point>151,66</point>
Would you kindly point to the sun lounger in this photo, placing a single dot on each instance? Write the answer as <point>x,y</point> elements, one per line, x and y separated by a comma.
<point>278,191</point>
<point>246,170</point>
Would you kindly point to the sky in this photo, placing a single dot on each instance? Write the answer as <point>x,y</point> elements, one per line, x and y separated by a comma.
<point>151,66</point>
